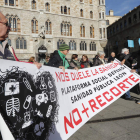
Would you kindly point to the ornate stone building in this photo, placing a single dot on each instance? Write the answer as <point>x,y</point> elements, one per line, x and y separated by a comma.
<point>38,27</point>
<point>126,28</point>
<point>111,18</point>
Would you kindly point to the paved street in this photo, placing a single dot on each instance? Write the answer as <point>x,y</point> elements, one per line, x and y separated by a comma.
<point>127,128</point>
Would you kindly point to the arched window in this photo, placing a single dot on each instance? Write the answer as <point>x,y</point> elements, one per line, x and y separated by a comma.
<point>47,6</point>
<point>72,45</point>
<point>103,15</point>
<point>91,31</point>
<point>6,2</point>
<point>14,23</point>
<point>48,27</point>
<point>91,14</point>
<point>90,1</point>
<point>107,22</point>
<point>83,46</point>
<point>60,41</point>
<point>10,2</point>
<point>66,28</point>
<point>21,43</point>
<point>68,11</point>
<point>34,24</point>
<point>103,2</point>
<point>17,43</point>
<point>65,9</point>
<point>82,31</point>
<point>62,10</point>
<point>33,3</point>
<point>134,17</point>
<point>92,46</point>
<point>81,13</point>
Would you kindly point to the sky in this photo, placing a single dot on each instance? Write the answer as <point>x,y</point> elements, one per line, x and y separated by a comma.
<point>121,7</point>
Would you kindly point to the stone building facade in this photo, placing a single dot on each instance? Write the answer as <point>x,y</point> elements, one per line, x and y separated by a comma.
<point>38,27</point>
<point>126,28</point>
<point>111,18</point>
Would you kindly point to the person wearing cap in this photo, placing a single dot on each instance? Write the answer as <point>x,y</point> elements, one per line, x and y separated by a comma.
<point>59,60</point>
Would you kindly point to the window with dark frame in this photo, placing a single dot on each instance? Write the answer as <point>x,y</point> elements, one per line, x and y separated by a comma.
<point>14,22</point>
<point>21,43</point>
<point>72,45</point>
<point>83,46</point>
<point>33,4</point>
<point>107,22</point>
<point>82,30</point>
<point>92,46</point>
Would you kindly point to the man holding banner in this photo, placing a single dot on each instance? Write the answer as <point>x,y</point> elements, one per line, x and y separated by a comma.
<point>6,52</point>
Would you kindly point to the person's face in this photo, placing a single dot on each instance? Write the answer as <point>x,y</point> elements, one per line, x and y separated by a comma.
<point>113,54</point>
<point>126,52</point>
<point>65,52</point>
<point>4,28</point>
<point>102,56</point>
<point>76,58</point>
<point>84,58</point>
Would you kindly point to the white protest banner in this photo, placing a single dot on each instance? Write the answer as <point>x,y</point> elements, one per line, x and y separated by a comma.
<point>49,104</point>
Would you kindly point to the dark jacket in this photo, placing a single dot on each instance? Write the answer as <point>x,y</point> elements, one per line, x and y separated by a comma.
<point>56,61</point>
<point>111,59</point>
<point>128,60</point>
<point>97,62</point>
<point>85,64</point>
<point>136,56</point>
<point>7,54</point>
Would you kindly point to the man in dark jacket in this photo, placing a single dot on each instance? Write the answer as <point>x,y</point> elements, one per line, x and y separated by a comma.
<point>7,53</point>
<point>136,55</point>
<point>124,57</point>
<point>58,59</point>
<point>100,60</point>
<point>112,57</point>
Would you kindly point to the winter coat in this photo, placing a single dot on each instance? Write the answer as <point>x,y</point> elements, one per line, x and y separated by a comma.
<point>97,62</point>
<point>128,60</point>
<point>56,61</point>
<point>136,55</point>
<point>86,64</point>
<point>111,59</point>
<point>9,53</point>
<point>75,63</point>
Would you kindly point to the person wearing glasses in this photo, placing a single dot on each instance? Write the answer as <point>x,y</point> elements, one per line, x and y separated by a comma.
<point>59,60</point>
<point>7,53</point>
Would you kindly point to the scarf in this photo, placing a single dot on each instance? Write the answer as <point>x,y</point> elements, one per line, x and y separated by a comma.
<point>65,62</point>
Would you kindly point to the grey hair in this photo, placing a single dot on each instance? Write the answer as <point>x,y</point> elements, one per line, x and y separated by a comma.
<point>125,50</point>
<point>100,53</point>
